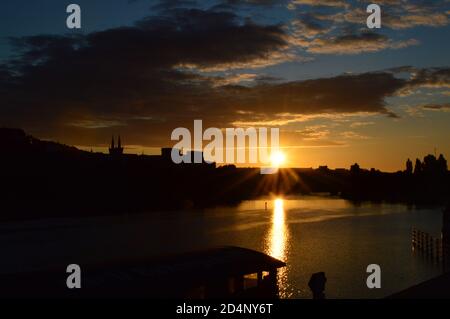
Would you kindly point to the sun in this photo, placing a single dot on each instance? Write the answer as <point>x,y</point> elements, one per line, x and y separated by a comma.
<point>277,159</point>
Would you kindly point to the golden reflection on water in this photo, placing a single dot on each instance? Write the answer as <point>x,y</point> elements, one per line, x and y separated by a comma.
<point>277,240</point>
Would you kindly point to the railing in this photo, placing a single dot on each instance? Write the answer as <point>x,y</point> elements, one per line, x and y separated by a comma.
<point>426,244</point>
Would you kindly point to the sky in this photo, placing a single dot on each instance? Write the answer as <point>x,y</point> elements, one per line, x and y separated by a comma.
<point>339,92</point>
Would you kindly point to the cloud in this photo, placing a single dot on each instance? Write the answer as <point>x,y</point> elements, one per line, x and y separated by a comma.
<point>96,124</point>
<point>427,19</point>
<point>437,107</point>
<point>340,94</point>
<point>356,43</point>
<point>314,132</point>
<point>314,136</point>
<point>131,89</point>
<point>395,14</point>
<point>410,14</point>
<point>418,111</point>
<point>137,108</point>
<point>306,25</point>
<point>351,135</point>
<point>431,78</point>
<point>233,79</point>
<point>323,3</point>
<point>360,124</point>
<point>252,2</point>
<point>147,79</point>
<point>172,4</point>
<point>331,32</point>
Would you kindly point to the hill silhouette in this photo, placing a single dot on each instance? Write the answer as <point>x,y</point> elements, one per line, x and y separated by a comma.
<point>49,179</point>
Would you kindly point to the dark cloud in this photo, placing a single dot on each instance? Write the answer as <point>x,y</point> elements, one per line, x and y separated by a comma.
<point>267,79</point>
<point>322,3</point>
<point>248,5</point>
<point>342,94</point>
<point>173,4</point>
<point>437,107</point>
<point>148,71</point>
<point>148,79</point>
<point>434,77</point>
<point>254,2</point>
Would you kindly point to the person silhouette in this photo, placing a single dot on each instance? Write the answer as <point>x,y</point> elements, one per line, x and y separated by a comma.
<point>317,285</point>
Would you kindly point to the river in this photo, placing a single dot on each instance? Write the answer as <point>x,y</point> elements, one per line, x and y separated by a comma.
<point>311,234</point>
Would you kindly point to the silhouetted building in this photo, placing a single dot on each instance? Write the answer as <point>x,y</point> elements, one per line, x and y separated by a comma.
<point>355,168</point>
<point>116,150</point>
<point>189,157</point>
<point>166,153</point>
<point>195,156</point>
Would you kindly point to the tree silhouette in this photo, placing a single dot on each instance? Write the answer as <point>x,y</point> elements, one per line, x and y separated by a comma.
<point>418,167</point>
<point>409,166</point>
<point>442,163</point>
<point>429,164</point>
<point>433,166</point>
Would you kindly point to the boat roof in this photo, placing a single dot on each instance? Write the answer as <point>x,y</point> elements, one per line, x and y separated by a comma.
<point>221,259</point>
<point>137,275</point>
<point>226,261</point>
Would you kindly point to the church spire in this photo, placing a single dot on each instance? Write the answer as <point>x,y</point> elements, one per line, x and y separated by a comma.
<point>116,150</point>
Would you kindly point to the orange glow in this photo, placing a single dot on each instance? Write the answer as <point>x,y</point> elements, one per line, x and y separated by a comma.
<point>277,159</point>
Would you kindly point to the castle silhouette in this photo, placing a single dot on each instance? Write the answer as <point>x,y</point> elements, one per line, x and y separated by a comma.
<point>166,157</point>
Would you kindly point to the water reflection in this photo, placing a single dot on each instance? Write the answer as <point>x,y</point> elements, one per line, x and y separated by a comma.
<point>277,240</point>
